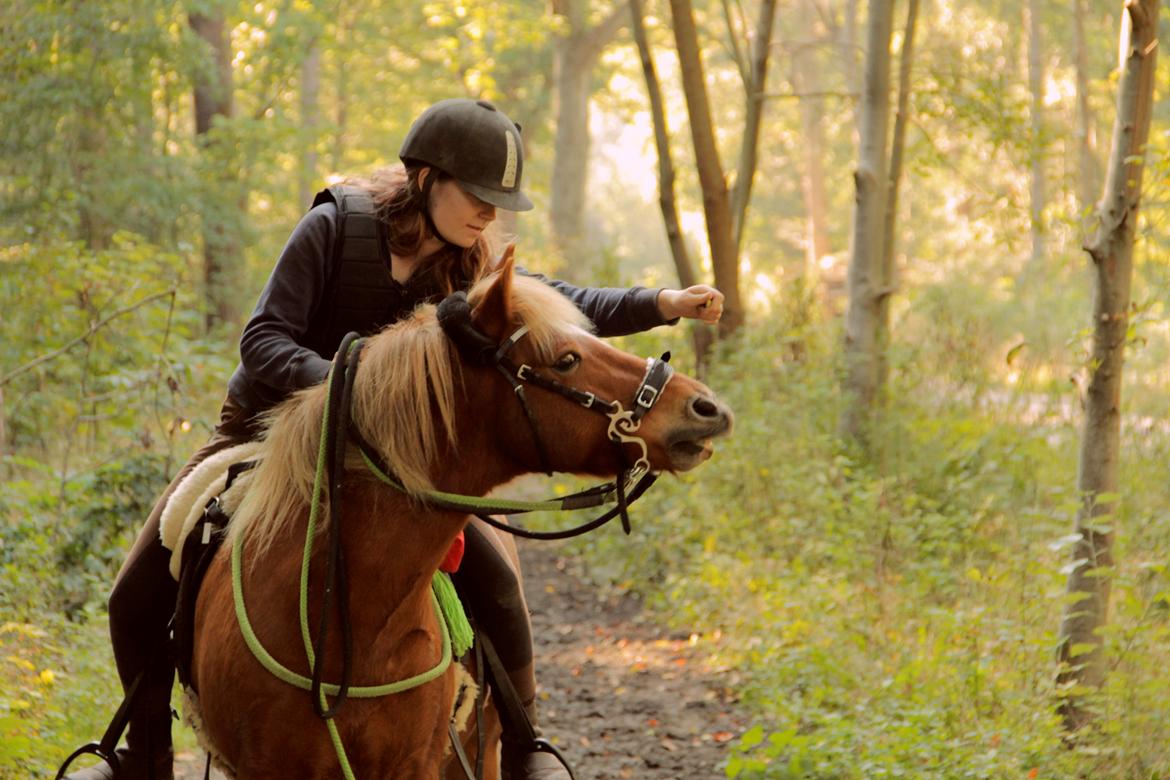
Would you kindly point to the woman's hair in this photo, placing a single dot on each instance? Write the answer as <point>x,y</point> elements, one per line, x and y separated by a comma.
<point>401,206</point>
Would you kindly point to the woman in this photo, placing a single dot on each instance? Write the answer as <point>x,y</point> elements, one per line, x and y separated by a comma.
<point>363,257</point>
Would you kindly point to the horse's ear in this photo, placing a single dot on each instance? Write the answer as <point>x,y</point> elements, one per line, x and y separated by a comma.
<point>493,313</point>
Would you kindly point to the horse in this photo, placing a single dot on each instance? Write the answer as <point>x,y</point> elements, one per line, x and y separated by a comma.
<point>441,422</point>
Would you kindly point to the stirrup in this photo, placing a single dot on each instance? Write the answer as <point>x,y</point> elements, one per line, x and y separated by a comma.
<point>542,745</point>
<point>95,749</point>
<point>107,748</point>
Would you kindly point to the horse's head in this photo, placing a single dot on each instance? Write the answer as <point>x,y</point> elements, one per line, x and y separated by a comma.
<point>582,394</point>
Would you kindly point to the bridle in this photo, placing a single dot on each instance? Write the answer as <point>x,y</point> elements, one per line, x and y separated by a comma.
<point>454,315</point>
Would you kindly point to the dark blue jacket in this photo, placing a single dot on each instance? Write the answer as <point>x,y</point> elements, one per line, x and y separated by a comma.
<point>283,350</point>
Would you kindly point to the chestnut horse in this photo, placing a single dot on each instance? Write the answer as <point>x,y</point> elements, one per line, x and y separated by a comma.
<point>441,422</point>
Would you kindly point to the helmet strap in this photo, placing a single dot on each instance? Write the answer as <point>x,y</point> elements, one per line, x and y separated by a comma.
<point>429,182</point>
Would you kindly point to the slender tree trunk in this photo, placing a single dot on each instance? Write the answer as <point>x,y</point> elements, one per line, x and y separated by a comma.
<point>889,281</point>
<point>307,179</point>
<point>678,246</point>
<point>754,88</point>
<point>224,202</point>
<point>849,47</point>
<point>1088,166</point>
<point>1036,139</point>
<point>576,57</point>
<point>865,293</point>
<point>716,199</point>
<point>806,84</point>
<point>1081,657</point>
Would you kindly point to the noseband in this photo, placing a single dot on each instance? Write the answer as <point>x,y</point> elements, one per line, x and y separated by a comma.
<point>454,314</point>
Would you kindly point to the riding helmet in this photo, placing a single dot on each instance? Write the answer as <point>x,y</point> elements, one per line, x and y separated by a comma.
<point>475,143</point>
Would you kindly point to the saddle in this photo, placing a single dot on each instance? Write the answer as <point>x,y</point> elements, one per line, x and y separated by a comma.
<point>197,550</point>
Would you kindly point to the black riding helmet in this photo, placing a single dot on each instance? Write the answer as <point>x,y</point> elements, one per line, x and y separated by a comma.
<point>476,144</point>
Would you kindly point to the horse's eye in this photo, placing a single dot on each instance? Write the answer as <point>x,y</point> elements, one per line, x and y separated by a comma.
<point>567,362</point>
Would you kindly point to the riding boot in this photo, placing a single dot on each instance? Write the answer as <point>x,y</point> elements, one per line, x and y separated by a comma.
<point>140,608</point>
<point>521,760</point>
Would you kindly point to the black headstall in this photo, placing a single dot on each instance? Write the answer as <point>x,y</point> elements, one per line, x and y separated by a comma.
<point>454,314</point>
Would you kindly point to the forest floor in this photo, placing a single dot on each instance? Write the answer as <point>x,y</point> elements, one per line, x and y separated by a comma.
<point>620,696</point>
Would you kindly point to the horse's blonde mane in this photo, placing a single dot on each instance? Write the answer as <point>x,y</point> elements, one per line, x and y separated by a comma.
<point>403,398</point>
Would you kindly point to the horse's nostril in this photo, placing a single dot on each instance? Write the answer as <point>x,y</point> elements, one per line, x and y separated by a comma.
<point>704,407</point>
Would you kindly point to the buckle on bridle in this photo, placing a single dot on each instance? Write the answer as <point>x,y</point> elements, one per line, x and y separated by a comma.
<point>646,396</point>
<point>588,399</point>
<point>523,372</point>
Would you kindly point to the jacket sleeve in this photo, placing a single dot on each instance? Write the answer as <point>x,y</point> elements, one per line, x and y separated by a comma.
<point>271,350</point>
<point>616,311</point>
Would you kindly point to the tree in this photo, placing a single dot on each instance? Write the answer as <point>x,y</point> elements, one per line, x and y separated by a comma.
<point>805,78</point>
<point>576,56</point>
<point>897,146</point>
<point>724,211</point>
<point>701,336</point>
<point>1088,167</point>
<point>1036,134</point>
<point>213,100</point>
<point>862,319</point>
<point>1082,662</point>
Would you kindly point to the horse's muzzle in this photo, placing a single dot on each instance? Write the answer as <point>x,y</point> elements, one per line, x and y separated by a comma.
<point>690,443</point>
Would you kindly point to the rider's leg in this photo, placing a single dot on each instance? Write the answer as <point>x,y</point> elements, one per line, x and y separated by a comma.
<point>141,604</point>
<point>489,581</point>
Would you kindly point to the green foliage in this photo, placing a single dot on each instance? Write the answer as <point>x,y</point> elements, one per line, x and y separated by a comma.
<point>896,617</point>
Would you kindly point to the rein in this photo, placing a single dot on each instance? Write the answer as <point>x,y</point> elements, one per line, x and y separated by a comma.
<point>454,315</point>
<point>455,633</point>
<point>454,318</point>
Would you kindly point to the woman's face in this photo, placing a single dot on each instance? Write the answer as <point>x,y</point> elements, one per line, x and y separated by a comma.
<point>459,216</point>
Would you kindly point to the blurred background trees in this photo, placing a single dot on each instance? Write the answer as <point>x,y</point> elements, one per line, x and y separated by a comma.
<point>893,599</point>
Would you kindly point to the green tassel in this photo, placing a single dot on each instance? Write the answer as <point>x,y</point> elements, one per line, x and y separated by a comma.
<point>452,609</point>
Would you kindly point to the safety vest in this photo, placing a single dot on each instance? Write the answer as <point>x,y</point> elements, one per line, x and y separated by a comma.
<point>360,294</point>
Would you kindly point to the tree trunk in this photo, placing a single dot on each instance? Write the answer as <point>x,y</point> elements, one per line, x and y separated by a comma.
<point>223,203</point>
<point>864,282</point>
<point>806,85</point>
<point>576,56</point>
<point>849,48</point>
<point>674,235</point>
<point>1088,166</point>
<point>307,179</point>
<point>889,281</point>
<point>754,111</point>
<point>716,199</point>
<point>1079,651</point>
<point>1036,139</point>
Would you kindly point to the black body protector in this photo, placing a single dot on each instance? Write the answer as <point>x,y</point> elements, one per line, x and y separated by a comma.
<point>362,297</point>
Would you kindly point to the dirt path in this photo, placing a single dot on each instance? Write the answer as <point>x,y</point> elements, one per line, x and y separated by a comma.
<point>623,699</point>
<point>618,696</point>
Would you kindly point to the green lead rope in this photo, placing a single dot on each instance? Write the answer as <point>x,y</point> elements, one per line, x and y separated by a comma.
<point>455,630</point>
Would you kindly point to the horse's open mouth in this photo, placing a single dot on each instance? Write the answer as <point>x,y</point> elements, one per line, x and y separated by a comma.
<point>688,453</point>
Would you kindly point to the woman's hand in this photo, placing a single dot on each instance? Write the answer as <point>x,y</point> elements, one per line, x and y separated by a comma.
<point>698,302</point>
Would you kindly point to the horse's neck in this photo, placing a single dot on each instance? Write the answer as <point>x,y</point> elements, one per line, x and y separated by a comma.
<point>393,538</point>
<point>392,549</point>
<point>478,465</point>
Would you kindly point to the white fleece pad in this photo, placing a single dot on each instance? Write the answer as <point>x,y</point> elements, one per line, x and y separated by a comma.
<point>186,503</point>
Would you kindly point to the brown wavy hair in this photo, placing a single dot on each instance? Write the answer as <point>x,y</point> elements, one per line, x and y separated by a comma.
<point>401,206</point>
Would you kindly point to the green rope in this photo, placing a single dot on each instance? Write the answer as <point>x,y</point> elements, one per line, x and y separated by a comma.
<point>473,503</point>
<point>455,631</point>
